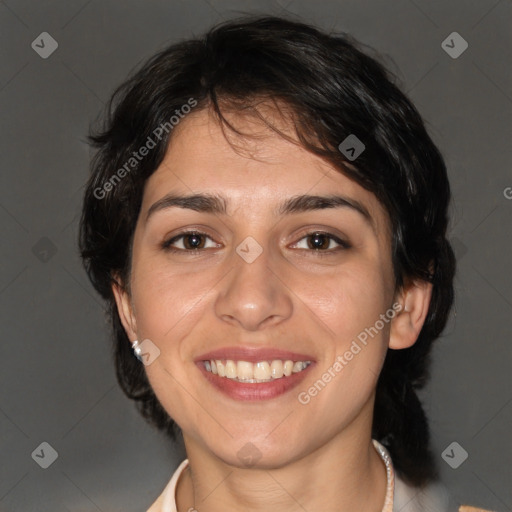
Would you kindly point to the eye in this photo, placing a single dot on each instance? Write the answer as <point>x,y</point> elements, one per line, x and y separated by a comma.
<point>190,241</point>
<point>321,242</point>
<point>194,241</point>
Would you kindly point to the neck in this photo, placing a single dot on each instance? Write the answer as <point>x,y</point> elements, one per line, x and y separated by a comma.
<point>343,475</point>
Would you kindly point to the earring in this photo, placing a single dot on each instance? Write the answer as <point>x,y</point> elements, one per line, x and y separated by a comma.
<point>136,349</point>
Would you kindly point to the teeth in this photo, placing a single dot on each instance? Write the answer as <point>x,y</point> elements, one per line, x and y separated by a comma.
<point>276,369</point>
<point>262,371</point>
<point>287,368</point>
<point>297,367</point>
<point>230,369</point>
<point>244,370</point>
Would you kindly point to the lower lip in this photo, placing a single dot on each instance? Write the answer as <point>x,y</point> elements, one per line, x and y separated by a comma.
<point>254,391</point>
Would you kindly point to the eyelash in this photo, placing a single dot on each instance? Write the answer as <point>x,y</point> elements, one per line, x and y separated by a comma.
<point>167,245</point>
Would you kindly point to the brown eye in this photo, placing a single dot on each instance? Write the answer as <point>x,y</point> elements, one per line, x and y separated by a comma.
<point>320,243</point>
<point>193,241</point>
<point>190,241</point>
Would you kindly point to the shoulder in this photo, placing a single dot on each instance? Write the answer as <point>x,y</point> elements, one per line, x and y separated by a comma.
<point>432,498</point>
<point>166,502</point>
<point>157,506</point>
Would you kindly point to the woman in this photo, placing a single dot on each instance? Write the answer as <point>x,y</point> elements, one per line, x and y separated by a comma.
<point>266,219</point>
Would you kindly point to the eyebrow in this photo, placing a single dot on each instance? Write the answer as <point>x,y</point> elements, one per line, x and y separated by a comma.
<point>217,204</point>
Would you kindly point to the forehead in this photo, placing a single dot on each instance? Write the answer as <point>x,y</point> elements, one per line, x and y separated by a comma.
<point>257,171</point>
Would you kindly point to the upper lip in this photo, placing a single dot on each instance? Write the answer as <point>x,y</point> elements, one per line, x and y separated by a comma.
<point>252,355</point>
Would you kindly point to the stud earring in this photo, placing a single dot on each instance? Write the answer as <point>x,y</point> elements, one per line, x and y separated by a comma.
<point>137,349</point>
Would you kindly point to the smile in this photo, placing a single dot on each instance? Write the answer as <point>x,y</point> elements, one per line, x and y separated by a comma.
<point>263,380</point>
<point>254,373</point>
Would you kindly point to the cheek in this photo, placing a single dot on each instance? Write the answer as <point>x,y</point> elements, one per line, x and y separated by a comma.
<point>169,308</point>
<point>349,301</point>
<point>165,296</point>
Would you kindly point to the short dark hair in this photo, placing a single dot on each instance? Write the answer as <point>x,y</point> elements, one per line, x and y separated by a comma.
<point>333,89</point>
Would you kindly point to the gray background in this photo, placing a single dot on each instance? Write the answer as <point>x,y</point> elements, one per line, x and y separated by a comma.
<point>57,382</point>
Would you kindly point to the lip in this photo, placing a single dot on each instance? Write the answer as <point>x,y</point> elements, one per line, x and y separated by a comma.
<point>254,391</point>
<point>253,355</point>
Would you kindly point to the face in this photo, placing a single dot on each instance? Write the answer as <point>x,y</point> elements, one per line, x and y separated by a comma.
<point>255,282</point>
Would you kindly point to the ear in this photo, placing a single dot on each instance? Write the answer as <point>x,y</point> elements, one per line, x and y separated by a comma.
<point>407,324</point>
<point>124,308</point>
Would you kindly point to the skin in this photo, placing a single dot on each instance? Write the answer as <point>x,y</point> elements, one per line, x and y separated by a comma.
<point>317,456</point>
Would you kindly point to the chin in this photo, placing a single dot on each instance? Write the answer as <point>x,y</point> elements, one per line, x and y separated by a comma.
<point>247,454</point>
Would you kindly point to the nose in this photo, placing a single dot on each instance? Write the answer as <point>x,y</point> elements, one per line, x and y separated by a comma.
<point>254,295</point>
